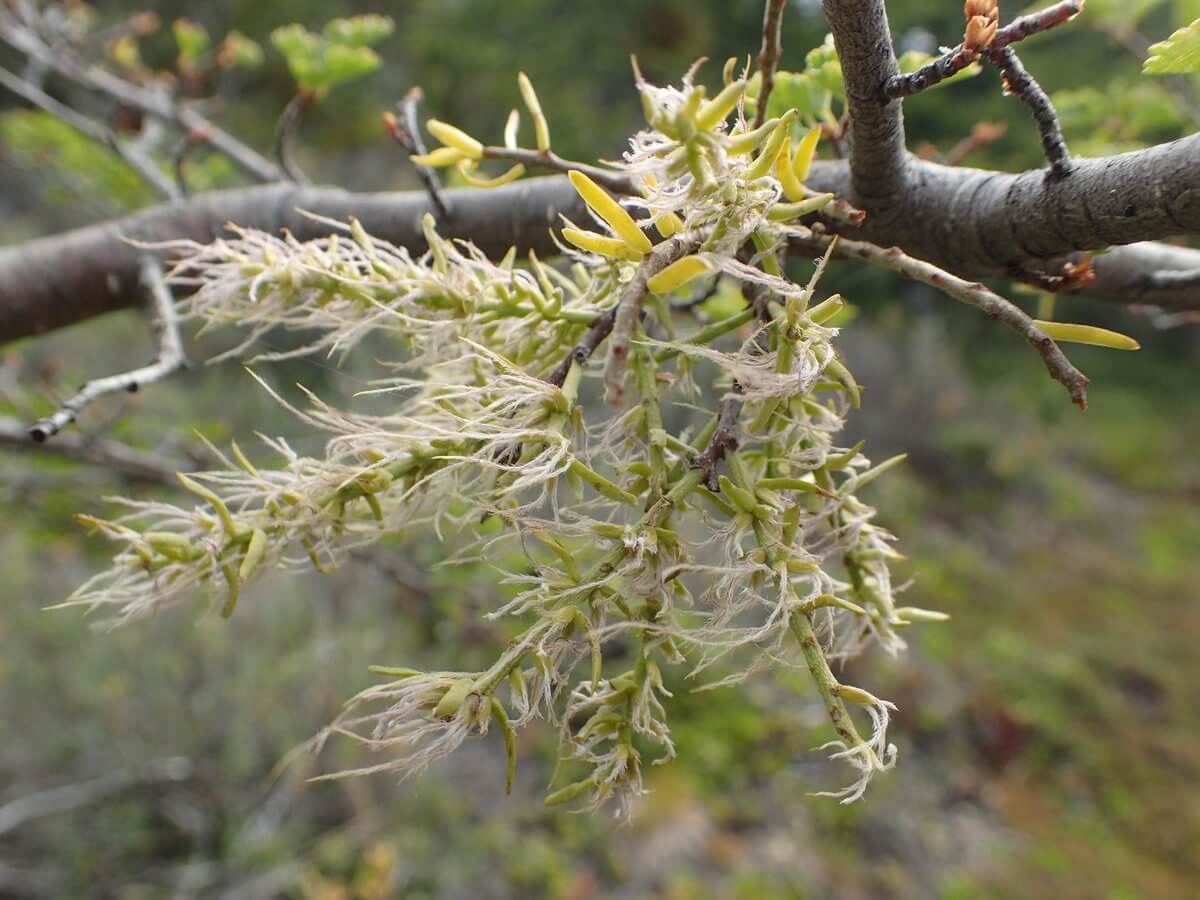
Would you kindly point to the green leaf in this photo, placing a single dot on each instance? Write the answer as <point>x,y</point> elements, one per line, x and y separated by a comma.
<point>343,63</point>
<point>358,31</point>
<point>1177,55</point>
<point>295,40</point>
<point>192,39</point>
<point>238,51</point>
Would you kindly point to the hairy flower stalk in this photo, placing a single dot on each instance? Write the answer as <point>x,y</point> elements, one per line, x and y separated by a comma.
<point>713,544</point>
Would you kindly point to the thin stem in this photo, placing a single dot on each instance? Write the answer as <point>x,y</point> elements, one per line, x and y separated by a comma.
<point>154,102</point>
<point>127,462</point>
<point>629,309</point>
<point>615,182</point>
<point>285,130</point>
<point>724,438</point>
<point>971,293</point>
<point>406,131</point>
<point>959,57</point>
<point>130,155</point>
<point>169,360</point>
<point>1019,83</point>
<point>768,56</point>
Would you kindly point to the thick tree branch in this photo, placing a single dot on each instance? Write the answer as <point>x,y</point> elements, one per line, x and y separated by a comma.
<point>55,281</point>
<point>971,222</point>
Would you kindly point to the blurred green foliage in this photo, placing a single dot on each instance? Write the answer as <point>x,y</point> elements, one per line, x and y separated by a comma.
<point>1047,733</point>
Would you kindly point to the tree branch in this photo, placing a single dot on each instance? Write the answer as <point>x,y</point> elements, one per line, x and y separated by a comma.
<point>959,57</point>
<point>130,155</point>
<point>971,293</point>
<point>971,222</point>
<point>121,459</point>
<point>768,56</point>
<point>878,159</point>
<point>169,360</point>
<point>155,103</point>
<point>406,131</point>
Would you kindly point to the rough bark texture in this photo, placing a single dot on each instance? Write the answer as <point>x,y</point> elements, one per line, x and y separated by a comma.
<point>878,159</point>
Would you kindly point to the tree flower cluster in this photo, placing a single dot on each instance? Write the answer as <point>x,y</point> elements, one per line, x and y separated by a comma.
<point>655,537</point>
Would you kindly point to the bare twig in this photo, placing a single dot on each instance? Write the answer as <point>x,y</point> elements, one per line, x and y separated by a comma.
<point>406,131</point>
<point>600,329</point>
<point>768,56</point>
<point>130,155</point>
<point>148,100</point>
<point>1019,83</point>
<point>285,130</point>
<point>121,459</point>
<point>61,799</point>
<point>169,360</point>
<point>179,157</point>
<point>724,438</point>
<point>971,293</point>
<point>629,308</point>
<point>546,159</point>
<point>959,57</point>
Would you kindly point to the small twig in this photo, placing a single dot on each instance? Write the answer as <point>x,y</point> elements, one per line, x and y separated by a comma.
<point>62,799</point>
<point>629,309</point>
<point>768,56</point>
<point>724,438</point>
<point>1019,83</point>
<point>285,129</point>
<point>959,57</point>
<point>169,360</point>
<point>131,156</point>
<point>147,100</point>
<point>546,159</point>
<point>179,157</point>
<point>971,293</point>
<point>841,210</point>
<point>406,131</point>
<point>600,329</point>
<point>121,459</point>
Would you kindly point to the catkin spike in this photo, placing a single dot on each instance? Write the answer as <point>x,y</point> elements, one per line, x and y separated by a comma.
<point>805,150</point>
<point>678,273</point>
<point>1086,334</point>
<point>614,248</point>
<point>440,157</point>
<point>611,212</point>
<point>714,111</point>
<point>455,137</point>
<point>793,189</point>
<point>540,125</point>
